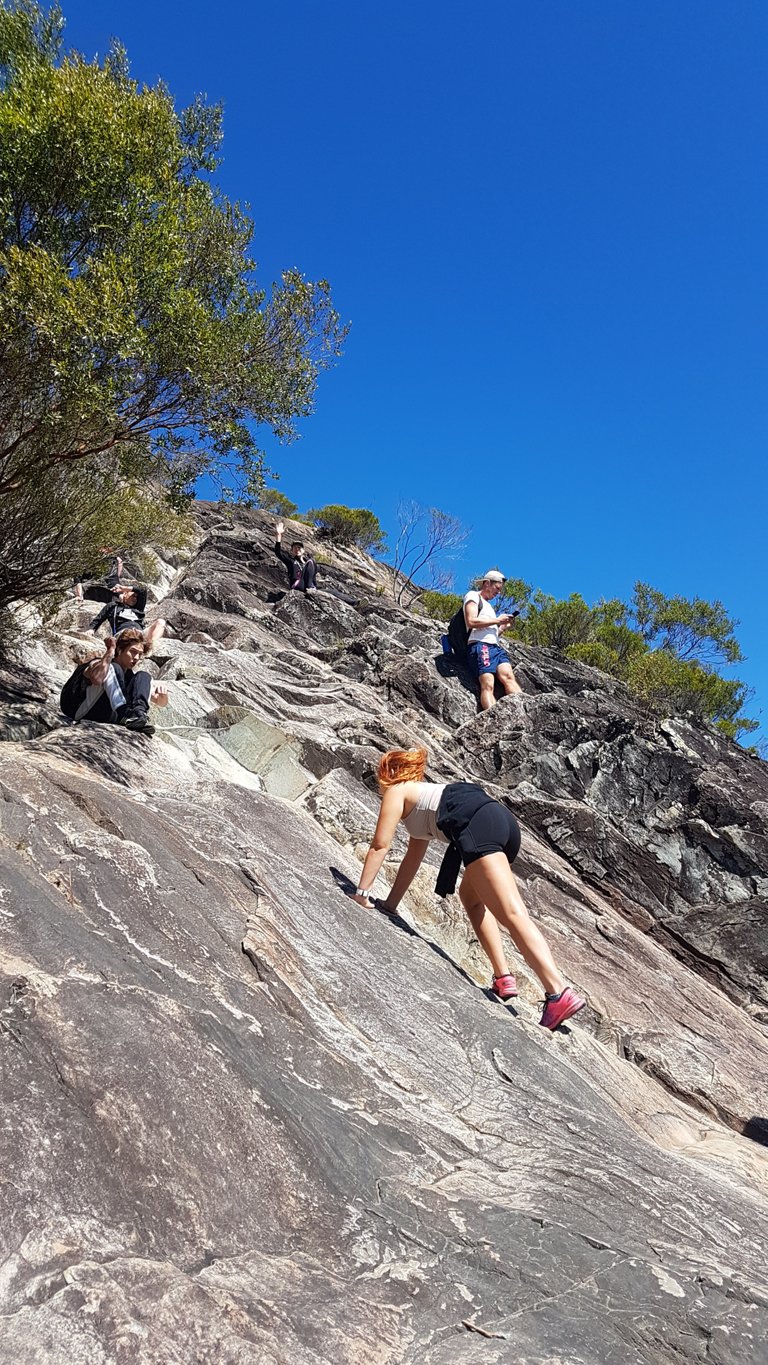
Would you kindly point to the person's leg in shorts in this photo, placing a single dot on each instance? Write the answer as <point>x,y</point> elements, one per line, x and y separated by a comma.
<point>490,662</point>
<point>491,828</point>
<point>506,677</point>
<point>488,845</point>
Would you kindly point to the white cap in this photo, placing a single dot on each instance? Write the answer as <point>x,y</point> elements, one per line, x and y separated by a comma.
<point>493,576</point>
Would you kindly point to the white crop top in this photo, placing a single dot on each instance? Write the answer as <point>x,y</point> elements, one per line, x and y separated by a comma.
<point>422,821</point>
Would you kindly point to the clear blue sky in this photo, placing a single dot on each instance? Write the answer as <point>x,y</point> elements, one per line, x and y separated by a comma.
<point>546,222</point>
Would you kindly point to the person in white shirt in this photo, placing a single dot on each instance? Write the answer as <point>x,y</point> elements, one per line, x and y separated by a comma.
<point>485,657</point>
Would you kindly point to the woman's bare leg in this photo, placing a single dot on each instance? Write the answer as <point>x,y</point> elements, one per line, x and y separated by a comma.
<point>490,881</point>
<point>487,931</point>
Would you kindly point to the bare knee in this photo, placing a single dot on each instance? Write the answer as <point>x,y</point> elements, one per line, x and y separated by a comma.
<point>509,681</point>
<point>486,693</point>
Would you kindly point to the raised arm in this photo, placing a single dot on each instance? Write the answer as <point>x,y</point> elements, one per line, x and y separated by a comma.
<point>390,815</point>
<point>97,671</point>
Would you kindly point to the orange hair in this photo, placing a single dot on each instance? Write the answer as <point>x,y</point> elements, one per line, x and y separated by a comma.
<point>402,765</point>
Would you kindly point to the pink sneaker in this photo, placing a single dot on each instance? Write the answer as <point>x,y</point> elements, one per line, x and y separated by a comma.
<point>560,1007</point>
<point>505,987</point>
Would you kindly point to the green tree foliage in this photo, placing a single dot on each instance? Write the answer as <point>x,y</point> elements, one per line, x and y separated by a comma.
<point>440,606</point>
<point>613,631</point>
<point>515,595</point>
<point>349,526</point>
<point>82,509</point>
<point>135,341</point>
<point>689,628</point>
<point>667,682</point>
<point>559,624</point>
<point>273,500</point>
<point>663,647</point>
<point>597,655</point>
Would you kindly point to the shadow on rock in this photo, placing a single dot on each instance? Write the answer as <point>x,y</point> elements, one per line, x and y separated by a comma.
<point>348,887</point>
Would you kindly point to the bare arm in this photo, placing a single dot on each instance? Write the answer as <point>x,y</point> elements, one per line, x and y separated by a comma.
<point>406,872</point>
<point>390,815</point>
<point>473,620</point>
<point>98,670</point>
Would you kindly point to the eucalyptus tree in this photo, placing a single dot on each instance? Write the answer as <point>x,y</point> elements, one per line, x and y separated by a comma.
<point>137,350</point>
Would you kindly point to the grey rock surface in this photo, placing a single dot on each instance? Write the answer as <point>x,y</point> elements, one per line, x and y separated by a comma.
<point>244,1120</point>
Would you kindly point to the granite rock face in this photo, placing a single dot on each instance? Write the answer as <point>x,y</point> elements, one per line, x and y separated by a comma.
<point>244,1120</point>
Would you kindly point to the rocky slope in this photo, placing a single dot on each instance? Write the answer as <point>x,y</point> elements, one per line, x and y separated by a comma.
<point>244,1120</point>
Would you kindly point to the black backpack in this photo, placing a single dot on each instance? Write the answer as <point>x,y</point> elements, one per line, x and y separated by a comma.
<point>73,692</point>
<point>458,634</point>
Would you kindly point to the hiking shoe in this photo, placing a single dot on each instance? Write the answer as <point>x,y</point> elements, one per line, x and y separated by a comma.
<point>505,987</point>
<point>137,725</point>
<point>560,1007</point>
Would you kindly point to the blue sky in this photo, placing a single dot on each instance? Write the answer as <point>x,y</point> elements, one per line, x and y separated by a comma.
<point>546,222</point>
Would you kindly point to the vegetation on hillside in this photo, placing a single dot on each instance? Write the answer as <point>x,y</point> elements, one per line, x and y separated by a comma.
<point>137,350</point>
<point>349,526</point>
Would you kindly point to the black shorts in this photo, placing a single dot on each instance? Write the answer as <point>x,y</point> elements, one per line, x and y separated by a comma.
<point>493,829</point>
<point>476,825</point>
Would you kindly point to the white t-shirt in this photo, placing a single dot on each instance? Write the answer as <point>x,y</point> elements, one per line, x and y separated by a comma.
<point>483,635</point>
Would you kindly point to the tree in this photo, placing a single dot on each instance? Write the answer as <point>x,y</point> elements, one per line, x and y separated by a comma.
<point>613,632</point>
<point>440,606</point>
<point>662,680</point>
<point>690,628</point>
<point>349,526</point>
<point>424,533</point>
<point>61,533</point>
<point>133,337</point>
<point>559,624</point>
<point>272,500</point>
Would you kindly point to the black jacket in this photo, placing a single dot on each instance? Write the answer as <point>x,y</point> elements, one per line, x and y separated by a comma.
<point>120,617</point>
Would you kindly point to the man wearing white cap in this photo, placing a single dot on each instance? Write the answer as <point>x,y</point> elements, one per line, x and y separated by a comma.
<point>485,657</point>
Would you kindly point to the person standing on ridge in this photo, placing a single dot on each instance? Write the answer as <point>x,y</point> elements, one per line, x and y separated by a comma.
<point>302,569</point>
<point>484,836</point>
<point>485,657</point>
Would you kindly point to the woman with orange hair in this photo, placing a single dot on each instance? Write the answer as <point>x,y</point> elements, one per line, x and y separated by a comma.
<point>484,836</point>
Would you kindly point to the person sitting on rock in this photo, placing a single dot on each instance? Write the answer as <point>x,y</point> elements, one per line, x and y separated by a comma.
<point>126,610</point>
<point>484,836</point>
<point>485,657</point>
<point>302,570</point>
<point>108,690</point>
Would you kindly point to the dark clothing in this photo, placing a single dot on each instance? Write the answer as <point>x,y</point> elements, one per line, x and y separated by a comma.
<point>301,572</point>
<point>101,591</point>
<point>97,592</point>
<point>134,686</point>
<point>120,617</point>
<point>485,658</point>
<point>476,825</point>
